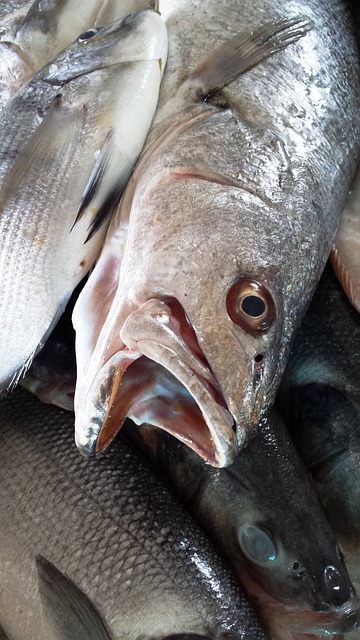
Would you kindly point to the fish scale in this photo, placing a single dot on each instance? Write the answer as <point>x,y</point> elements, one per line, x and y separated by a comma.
<point>110,526</point>
<point>236,197</point>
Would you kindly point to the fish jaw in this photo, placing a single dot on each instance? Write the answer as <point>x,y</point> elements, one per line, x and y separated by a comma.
<point>281,619</point>
<point>159,377</point>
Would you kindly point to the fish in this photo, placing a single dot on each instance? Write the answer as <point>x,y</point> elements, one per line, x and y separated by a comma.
<point>105,540</point>
<point>69,140</point>
<point>254,511</point>
<point>319,400</point>
<point>36,32</point>
<point>224,229</point>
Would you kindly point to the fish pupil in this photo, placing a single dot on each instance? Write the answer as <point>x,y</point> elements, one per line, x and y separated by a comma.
<point>253,306</point>
<point>256,544</point>
<point>87,34</point>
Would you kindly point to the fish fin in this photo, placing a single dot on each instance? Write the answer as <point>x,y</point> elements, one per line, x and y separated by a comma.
<point>71,612</point>
<point>55,137</point>
<point>246,50</point>
<point>345,255</point>
<point>106,183</point>
<point>3,635</point>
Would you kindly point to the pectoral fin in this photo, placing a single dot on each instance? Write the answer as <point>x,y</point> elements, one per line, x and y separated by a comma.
<point>106,183</point>
<point>3,635</point>
<point>54,140</point>
<point>71,612</point>
<point>246,50</point>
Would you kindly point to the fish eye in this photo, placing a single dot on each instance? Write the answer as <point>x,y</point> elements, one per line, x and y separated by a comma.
<point>257,544</point>
<point>250,305</point>
<point>87,34</point>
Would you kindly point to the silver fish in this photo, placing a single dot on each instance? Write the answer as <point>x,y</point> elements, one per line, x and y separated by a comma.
<point>68,142</point>
<point>30,39</point>
<point>225,226</point>
<point>119,555</point>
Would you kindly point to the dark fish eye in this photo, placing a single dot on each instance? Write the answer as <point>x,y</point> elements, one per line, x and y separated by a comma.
<point>250,305</point>
<point>256,544</point>
<point>87,34</point>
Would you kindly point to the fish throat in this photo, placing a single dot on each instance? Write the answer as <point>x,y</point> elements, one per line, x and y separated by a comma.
<point>162,378</point>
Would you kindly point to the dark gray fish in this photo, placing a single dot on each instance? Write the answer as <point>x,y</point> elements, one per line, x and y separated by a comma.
<point>255,511</point>
<point>225,228</point>
<point>120,547</point>
<point>320,402</point>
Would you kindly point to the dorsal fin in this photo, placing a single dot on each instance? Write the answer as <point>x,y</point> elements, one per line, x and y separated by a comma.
<point>3,635</point>
<point>246,50</point>
<point>70,611</point>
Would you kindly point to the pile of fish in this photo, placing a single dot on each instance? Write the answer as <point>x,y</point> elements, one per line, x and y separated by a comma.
<point>196,162</point>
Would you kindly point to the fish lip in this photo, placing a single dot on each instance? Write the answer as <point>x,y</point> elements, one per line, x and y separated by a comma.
<point>337,620</point>
<point>216,441</point>
<point>298,618</point>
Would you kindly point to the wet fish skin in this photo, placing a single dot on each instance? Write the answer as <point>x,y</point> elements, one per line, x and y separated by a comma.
<point>36,32</point>
<point>58,136</point>
<point>111,528</point>
<point>269,489</point>
<point>195,221</point>
<point>267,486</point>
<point>320,402</point>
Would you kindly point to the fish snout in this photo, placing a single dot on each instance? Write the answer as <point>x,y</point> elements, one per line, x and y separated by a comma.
<point>337,587</point>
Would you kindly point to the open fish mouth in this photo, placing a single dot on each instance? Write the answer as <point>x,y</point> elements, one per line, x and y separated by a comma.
<point>284,618</point>
<point>162,378</point>
<point>337,621</point>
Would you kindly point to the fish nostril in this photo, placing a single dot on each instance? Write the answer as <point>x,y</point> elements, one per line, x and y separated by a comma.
<point>298,570</point>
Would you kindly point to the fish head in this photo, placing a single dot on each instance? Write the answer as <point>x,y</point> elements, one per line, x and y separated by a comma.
<point>206,318</point>
<point>51,25</point>
<point>98,48</point>
<point>265,513</point>
<point>207,289</point>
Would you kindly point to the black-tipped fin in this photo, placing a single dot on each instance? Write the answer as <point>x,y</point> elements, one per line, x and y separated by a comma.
<point>245,51</point>
<point>70,611</point>
<point>3,635</point>
<point>106,183</point>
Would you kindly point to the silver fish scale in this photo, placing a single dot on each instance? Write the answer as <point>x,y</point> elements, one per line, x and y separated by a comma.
<point>289,147</point>
<point>111,527</point>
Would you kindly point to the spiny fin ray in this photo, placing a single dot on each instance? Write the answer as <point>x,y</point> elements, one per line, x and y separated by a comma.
<point>246,50</point>
<point>106,183</point>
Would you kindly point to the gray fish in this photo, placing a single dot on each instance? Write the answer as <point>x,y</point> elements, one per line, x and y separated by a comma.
<point>118,554</point>
<point>68,143</point>
<point>225,226</point>
<point>32,35</point>
<point>320,402</point>
<point>255,511</point>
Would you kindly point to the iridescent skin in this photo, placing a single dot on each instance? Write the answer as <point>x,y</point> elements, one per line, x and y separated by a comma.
<point>248,184</point>
<point>113,529</point>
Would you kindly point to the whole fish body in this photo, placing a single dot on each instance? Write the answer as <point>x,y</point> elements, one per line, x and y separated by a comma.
<point>110,530</point>
<point>255,511</point>
<point>32,33</point>
<point>225,226</point>
<point>320,402</point>
<point>68,142</point>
